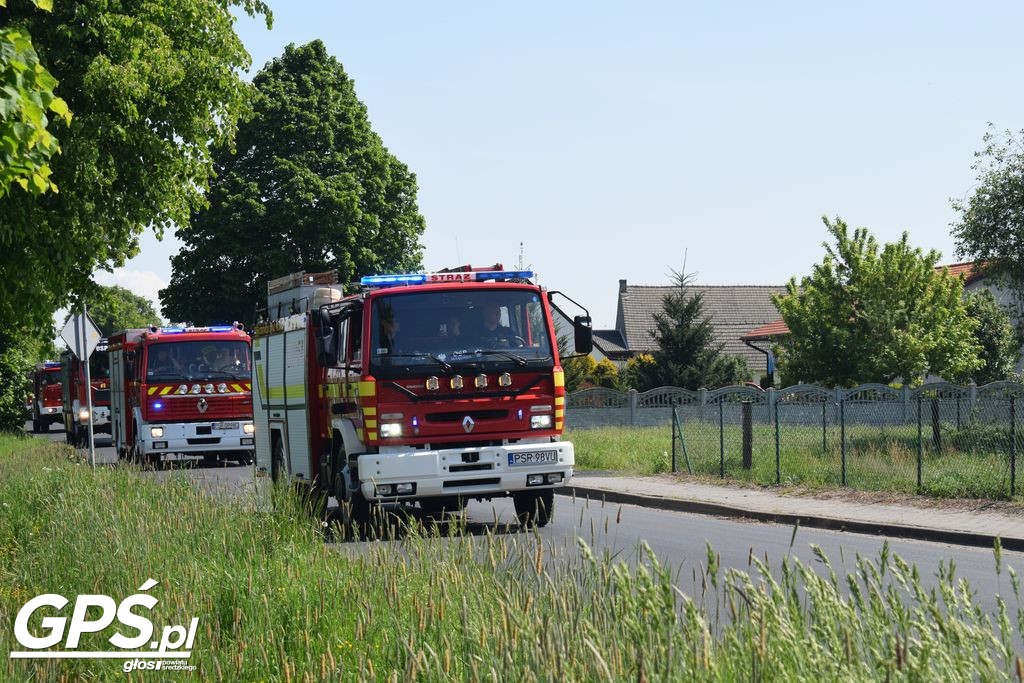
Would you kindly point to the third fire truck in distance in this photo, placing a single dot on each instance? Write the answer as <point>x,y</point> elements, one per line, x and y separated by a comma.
<point>46,404</point>
<point>76,406</point>
<point>433,388</point>
<point>184,390</point>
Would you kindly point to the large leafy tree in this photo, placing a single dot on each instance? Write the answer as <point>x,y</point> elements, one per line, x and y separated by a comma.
<point>991,225</point>
<point>151,85</point>
<point>687,355</point>
<point>871,314</point>
<point>309,186</point>
<point>118,308</point>
<point>26,101</point>
<point>999,344</point>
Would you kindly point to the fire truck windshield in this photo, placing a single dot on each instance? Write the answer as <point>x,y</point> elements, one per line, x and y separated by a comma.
<point>99,365</point>
<point>445,329</point>
<point>197,360</point>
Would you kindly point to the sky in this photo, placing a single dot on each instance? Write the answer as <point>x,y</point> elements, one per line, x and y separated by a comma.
<point>613,140</point>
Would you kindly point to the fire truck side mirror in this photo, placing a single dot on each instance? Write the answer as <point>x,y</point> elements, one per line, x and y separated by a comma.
<point>583,333</point>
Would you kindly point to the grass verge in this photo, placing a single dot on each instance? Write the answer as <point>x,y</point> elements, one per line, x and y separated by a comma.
<point>966,465</point>
<point>276,602</point>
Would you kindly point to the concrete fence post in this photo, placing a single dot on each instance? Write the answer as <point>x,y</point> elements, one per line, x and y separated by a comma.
<point>905,395</point>
<point>702,400</point>
<point>772,397</point>
<point>633,405</point>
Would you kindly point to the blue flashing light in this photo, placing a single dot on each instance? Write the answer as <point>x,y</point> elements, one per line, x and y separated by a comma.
<point>385,280</point>
<point>51,364</point>
<point>222,328</point>
<point>505,275</point>
<point>158,406</point>
<point>171,330</point>
<point>415,422</point>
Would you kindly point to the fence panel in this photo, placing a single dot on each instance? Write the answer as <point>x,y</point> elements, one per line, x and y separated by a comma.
<point>809,446</point>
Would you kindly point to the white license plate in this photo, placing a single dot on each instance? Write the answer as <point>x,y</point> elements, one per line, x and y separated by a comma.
<point>532,458</point>
<point>225,425</point>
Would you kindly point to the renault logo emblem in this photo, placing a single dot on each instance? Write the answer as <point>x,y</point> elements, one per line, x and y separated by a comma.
<point>202,405</point>
<point>468,424</point>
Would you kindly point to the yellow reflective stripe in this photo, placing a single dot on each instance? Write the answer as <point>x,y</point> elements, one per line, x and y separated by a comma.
<point>559,378</point>
<point>558,424</point>
<point>259,378</point>
<point>370,410</point>
<point>559,401</point>
<point>367,388</point>
<point>248,386</point>
<point>165,391</point>
<point>370,436</point>
<point>559,413</point>
<point>238,387</point>
<point>370,424</point>
<point>152,390</point>
<point>293,391</point>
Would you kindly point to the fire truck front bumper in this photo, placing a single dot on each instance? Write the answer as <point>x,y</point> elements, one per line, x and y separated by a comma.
<point>198,437</point>
<point>100,416</point>
<point>470,472</point>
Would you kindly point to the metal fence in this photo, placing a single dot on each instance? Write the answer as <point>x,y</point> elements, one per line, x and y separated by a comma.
<point>939,439</point>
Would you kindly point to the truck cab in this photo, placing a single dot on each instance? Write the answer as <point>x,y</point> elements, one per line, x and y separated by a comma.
<point>47,407</point>
<point>431,388</point>
<point>76,414</point>
<point>181,390</point>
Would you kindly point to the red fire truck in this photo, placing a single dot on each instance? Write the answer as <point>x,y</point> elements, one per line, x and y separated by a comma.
<point>46,406</point>
<point>76,404</point>
<point>435,388</point>
<point>183,390</point>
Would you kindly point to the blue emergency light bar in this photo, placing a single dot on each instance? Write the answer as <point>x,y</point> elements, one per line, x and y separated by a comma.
<point>181,330</point>
<point>171,330</point>
<point>51,364</point>
<point>436,278</point>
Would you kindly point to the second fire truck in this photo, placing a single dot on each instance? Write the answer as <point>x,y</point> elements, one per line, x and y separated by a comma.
<point>76,406</point>
<point>47,408</point>
<point>184,390</point>
<point>430,388</point>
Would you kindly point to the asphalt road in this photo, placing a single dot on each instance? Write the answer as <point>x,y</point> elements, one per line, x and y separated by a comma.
<point>679,539</point>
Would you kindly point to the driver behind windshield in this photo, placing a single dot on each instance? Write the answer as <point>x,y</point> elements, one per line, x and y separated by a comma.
<point>164,364</point>
<point>491,329</point>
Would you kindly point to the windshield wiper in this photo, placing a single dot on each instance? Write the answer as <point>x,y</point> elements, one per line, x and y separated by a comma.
<point>222,372</point>
<point>440,361</point>
<point>508,354</point>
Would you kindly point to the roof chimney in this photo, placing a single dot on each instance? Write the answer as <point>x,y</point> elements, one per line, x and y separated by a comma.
<point>622,286</point>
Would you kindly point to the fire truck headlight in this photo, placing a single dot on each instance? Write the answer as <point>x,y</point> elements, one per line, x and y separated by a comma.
<point>391,430</point>
<point>222,388</point>
<point>505,380</point>
<point>83,415</point>
<point>51,410</point>
<point>248,428</point>
<point>433,384</point>
<point>156,432</point>
<point>405,489</point>
<point>540,422</point>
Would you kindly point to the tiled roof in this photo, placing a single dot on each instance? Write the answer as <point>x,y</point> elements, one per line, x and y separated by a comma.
<point>733,309</point>
<point>969,270</point>
<point>609,341</point>
<point>776,328</point>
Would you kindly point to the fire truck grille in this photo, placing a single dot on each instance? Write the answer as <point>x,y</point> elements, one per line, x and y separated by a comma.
<point>186,409</point>
<point>459,416</point>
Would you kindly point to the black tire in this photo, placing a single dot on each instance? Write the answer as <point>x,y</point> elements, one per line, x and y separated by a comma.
<point>438,506</point>
<point>534,508</point>
<point>35,425</point>
<point>278,468</point>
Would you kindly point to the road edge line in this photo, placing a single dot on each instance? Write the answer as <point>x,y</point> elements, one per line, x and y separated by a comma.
<point>812,521</point>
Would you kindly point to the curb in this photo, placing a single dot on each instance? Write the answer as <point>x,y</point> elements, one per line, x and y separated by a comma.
<point>812,521</point>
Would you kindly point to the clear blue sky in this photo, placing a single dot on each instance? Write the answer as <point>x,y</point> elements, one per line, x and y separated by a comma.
<point>611,137</point>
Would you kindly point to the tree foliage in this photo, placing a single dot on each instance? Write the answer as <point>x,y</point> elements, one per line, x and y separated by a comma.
<point>152,85</point>
<point>311,187</point>
<point>990,229</point>
<point>687,355</point>
<point>26,100</point>
<point>867,314</point>
<point>999,343</point>
<point>118,308</point>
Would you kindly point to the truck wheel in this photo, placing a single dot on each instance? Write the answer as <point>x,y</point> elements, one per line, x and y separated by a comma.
<point>534,508</point>
<point>438,506</point>
<point>35,425</point>
<point>278,469</point>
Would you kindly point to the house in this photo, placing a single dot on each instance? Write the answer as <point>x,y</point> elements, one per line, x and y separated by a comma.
<point>732,309</point>
<point>763,336</point>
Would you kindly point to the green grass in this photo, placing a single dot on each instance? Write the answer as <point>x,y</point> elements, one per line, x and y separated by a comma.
<point>276,602</point>
<point>969,463</point>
